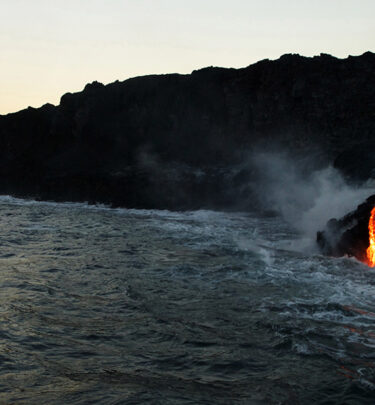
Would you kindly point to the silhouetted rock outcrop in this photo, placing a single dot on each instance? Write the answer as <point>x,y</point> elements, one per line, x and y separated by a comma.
<point>178,141</point>
<point>348,235</point>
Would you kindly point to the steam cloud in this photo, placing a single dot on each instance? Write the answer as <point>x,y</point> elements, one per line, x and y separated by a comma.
<point>306,198</point>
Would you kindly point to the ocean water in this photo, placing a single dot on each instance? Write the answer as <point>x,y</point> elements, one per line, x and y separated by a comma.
<point>116,306</point>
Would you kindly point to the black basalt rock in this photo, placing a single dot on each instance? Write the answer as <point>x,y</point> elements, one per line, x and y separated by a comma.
<point>348,236</point>
<point>179,141</point>
<point>357,162</point>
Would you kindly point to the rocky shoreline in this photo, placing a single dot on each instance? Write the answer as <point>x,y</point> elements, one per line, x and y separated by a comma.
<point>348,236</point>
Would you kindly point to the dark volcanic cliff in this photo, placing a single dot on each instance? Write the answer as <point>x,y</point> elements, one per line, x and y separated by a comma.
<point>177,141</point>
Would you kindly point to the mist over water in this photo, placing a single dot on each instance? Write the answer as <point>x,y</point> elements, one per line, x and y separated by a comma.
<point>304,196</point>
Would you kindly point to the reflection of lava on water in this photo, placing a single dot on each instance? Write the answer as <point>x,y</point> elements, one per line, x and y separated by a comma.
<point>371,249</point>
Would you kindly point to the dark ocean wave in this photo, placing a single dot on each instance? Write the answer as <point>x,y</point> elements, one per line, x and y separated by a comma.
<point>145,307</point>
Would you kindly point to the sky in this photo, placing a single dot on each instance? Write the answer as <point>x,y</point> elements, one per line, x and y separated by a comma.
<point>51,47</point>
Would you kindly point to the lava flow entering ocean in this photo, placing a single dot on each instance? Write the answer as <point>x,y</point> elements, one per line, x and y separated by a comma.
<point>371,249</point>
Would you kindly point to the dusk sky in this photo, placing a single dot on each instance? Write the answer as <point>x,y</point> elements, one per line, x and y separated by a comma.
<point>50,47</point>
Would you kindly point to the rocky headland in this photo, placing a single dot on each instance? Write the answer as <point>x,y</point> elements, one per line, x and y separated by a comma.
<point>182,141</point>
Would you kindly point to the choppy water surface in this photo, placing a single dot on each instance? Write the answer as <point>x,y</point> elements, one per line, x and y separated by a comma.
<point>154,307</point>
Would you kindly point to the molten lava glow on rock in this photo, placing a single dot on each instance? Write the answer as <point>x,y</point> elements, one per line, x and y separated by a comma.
<point>371,249</point>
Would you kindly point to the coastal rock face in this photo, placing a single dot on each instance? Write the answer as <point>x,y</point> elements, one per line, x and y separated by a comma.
<point>348,235</point>
<point>357,163</point>
<point>180,141</point>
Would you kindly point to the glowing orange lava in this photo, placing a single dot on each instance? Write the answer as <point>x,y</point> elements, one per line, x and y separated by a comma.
<point>371,249</point>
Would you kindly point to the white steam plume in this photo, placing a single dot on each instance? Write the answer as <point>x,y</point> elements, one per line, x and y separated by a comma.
<point>307,200</point>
